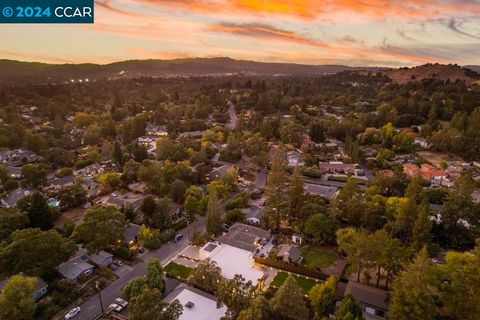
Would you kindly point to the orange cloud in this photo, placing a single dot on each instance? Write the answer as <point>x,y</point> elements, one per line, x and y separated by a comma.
<point>315,9</point>
<point>265,31</point>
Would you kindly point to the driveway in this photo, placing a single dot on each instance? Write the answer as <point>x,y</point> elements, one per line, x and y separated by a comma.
<point>91,308</point>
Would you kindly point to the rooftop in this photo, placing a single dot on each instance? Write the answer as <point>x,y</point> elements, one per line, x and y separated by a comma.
<point>368,295</point>
<point>197,305</point>
<point>232,261</point>
<point>322,191</point>
<point>244,236</point>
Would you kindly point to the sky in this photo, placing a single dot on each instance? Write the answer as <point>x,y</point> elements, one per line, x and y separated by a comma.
<point>355,33</point>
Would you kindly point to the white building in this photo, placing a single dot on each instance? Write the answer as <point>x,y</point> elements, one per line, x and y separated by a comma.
<point>197,305</point>
<point>232,261</point>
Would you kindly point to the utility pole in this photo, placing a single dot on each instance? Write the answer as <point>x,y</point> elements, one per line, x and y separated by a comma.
<point>99,296</point>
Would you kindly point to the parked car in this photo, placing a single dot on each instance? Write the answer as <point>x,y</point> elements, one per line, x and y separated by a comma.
<point>116,307</point>
<point>113,266</point>
<point>72,313</point>
<point>141,250</point>
<point>118,262</point>
<point>121,302</point>
<point>177,237</point>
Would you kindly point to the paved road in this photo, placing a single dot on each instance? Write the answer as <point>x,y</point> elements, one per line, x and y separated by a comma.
<point>91,308</point>
<point>260,174</point>
<point>233,115</point>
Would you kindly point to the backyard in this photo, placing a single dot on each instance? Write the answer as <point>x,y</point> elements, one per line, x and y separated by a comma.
<point>177,270</point>
<point>314,258</point>
<point>305,284</point>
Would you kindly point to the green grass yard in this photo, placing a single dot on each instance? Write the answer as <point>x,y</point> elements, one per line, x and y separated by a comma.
<point>305,284</point>
<point>178,270</point>
<point>317,258</point>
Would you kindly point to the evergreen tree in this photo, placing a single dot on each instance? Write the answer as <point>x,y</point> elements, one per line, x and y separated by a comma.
<point>349,309</point>
<point>154,275</point>
<point>38,211</point>
<point>295,195</point>
<point>412,296</point>
<point>288,302</point>
<point>275,192</point>
<point>258,310</point>
<point>214,218</point>
<point>422,227</point>
<point>322,297</point>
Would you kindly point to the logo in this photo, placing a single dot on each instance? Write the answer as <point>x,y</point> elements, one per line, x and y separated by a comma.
<point>47,11</point>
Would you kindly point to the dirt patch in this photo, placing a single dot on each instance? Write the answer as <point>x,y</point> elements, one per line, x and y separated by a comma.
<point>75,214</point>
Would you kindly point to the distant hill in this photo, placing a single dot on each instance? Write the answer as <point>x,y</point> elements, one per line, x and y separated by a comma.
<point>433,71</point>
<point>28,72</point>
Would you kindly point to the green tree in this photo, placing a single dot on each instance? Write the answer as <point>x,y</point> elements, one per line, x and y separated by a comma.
<point>412,296</point>
<point>154,275</point>
<point>235,293</point>
<point>148,205</point>
<point>421,229</point>
<point>258,310</point>
<point>348,206</point>
<point>133,288</point>
<point>148,305</point>
<point>288,302</point>
<point>11,219</point>
<point>33,175</point>
<point>36,252</point>
<point>295,195</point>
<point>319,229</point>
<point>459,290</point>
<point>322,297</point>
<point>206,275</point>
<point>191,205</point>
<point>349,309</point>
<point>214,218</point>
<point>72,196</point>
<point>101,228</point>
<point>38,211</point>
<point>16,299</point>
<point>275,192</point>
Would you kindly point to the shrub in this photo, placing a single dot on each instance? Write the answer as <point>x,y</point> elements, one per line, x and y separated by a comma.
<point>124,253</point>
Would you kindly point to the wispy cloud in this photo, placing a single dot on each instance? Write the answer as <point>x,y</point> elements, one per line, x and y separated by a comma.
<point>258,30</point>
<point>453,25</point>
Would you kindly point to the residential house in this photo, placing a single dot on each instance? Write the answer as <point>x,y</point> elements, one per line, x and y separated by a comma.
<point>58,183</point>
<point>427,172</point>
<point>290,254</point>
<point>13,196</point>
<point>125,200</point>
<point>131,233</point>
<point>253,214</point>
<point>102,259</point>
<point>375,301</point>
<point>328,193</point>
<point>17,156</point>
<point>245,237</point>
<point>191,134</point>
<point>154,130</point>
<point>218,172</point>
<point>75,270</point>
<point>232,261</point>
<point>197,305</point>
<point>337,168</point>
<point>41,288</point>
<point>295,158</point>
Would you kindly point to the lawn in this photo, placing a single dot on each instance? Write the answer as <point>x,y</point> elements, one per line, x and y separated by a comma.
<point>305,284</point>
<point>178,270</point>
<point>317,258</point>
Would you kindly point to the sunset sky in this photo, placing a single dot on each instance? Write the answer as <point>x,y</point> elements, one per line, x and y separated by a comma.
<point>355,33</point>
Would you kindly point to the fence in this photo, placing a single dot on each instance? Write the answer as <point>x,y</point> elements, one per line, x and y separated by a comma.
<point>292,268</point>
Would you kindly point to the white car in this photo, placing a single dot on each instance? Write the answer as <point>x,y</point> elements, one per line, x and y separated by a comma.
<point>116,307</point>
<point>72,313</point>
<point>121,302</point>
